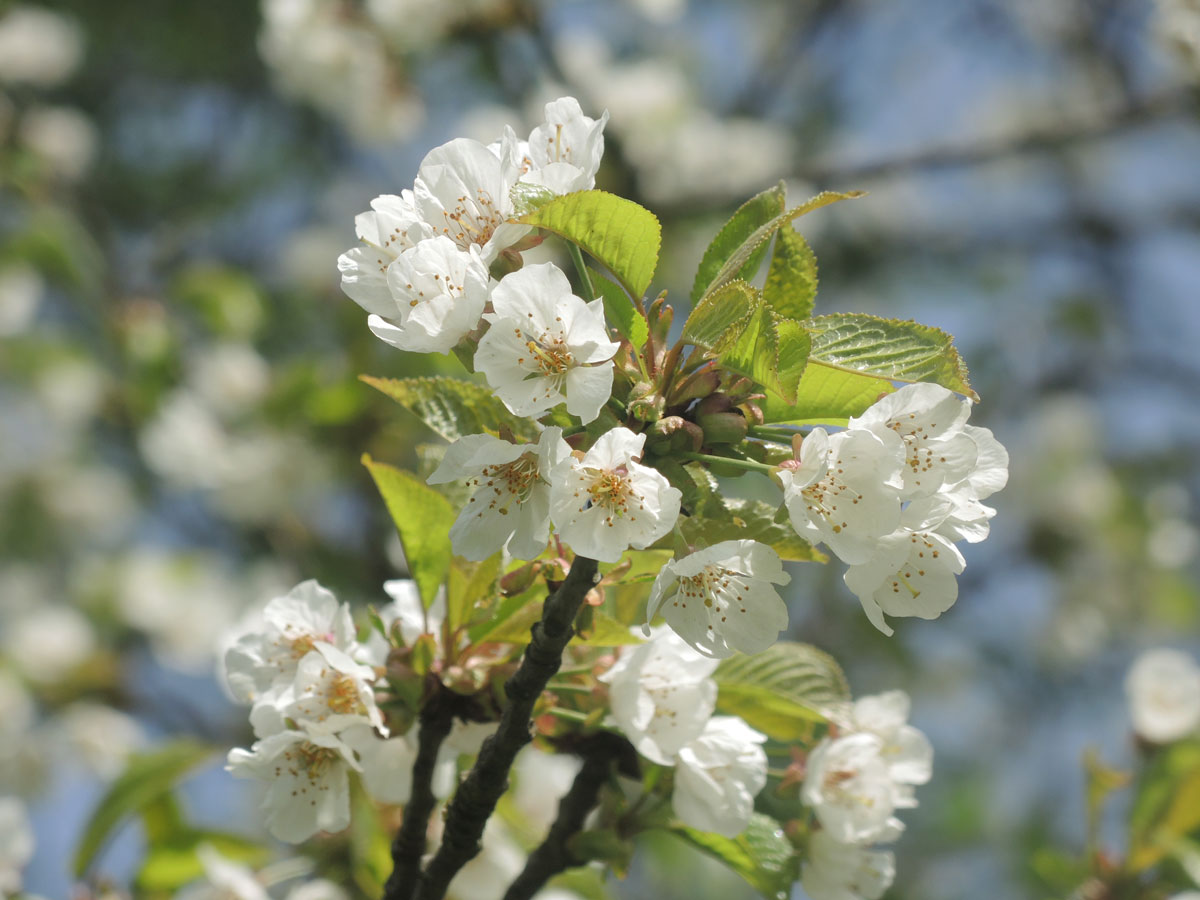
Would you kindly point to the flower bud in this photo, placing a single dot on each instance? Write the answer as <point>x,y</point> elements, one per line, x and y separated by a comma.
<point>696,386</point>
<point>723,428</point>
<point>672,434</point>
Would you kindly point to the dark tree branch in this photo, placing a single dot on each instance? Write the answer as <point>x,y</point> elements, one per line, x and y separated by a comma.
<point>599,753</point>
<point>479,792</point>
<point>1126,115</point>
<point>436,720</point>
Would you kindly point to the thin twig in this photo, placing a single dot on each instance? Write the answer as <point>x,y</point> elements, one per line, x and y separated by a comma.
<point>554,854</point>
<point>479,792</point>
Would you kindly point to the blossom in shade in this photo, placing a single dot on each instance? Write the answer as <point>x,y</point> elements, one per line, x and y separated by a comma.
<point>718,775</point>
<point>330,692</point>
<point>850,788</point>
<point>308,785</point>
<point>845,491</point>
<point>390,227</point>
<point>661,695</point>
<point>911,574</point>
<point>223,879</point>
<point>462,192</point>
<point>834,870</point>
<point>908,751</point>
<point>605,502</point>
<point>1163,688</point>
<point>510,503</point>
<point>386,764</point>
<point>722,599</point>
<point>291,626</point>
<point>546,346</point>
<point>928,420</point>
<point>438,292</point>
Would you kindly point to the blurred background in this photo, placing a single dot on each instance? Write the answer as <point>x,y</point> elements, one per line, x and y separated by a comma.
<point>180,421</point>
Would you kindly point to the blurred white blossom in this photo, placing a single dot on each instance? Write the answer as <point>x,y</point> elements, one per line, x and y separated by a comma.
<point>1163,688</point>
<point>38,46</point>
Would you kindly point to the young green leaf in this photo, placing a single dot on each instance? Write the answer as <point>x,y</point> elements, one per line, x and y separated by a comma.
<point>619,311</point>
<point>721,316</point>
<point>146,778</point>
<point>770,350</point>
<point>1167,806</point>
<point>453,407</point>
<point>623,236</point>
<point>791,286</point>
<point>758,239</point>
<point>889,348</point>
<point>799,674</point>
<point>751,215</point>
<point>472,586</point>
<point>734,325</point>
<point>761,854</point>
<point>423,518</point>
<point>826,396</point>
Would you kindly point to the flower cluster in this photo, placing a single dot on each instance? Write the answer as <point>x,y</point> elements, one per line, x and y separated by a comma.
<point>892,494</point>
<point>854,783</point>
<point>663,699</point>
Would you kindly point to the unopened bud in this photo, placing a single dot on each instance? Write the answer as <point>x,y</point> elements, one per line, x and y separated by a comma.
<point>723,427</point>
<point>696,386</point>
<point>672,434</point>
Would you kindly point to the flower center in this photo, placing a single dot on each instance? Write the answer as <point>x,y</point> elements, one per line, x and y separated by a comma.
<point>315,760</point>
<point>509,481</point>
<point>821,498</point>
<point>551,356</point>
<point>473,221</point>
<point>342,695</point>
<point>611,490</point>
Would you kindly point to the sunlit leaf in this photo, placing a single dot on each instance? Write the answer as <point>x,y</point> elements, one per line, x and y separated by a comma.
<point>753,214</point>
<point>423,518</point>
<point>453,407</point>
<point>761,854</point>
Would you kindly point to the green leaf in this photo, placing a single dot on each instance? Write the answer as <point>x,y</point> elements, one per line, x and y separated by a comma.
<point>605,631</point>
<point>770,350</point>
<point>619,311</point>
<point>889,348</point>
<point>754,213</point>
<point>147,778</point>
<point>168,868</point>
<point>1167,806</point>
<point>791,286</point>
<point>826,396</point>
<point>720,315</point>
<point>453,407</point>
<point>761,854</point>
<point>472,587</point>
<point>781,689</point>
<point>758,239</point>
<point>735,325</point>
<point>623,236</point>
<point>604,845</point>
<point>423,518</point>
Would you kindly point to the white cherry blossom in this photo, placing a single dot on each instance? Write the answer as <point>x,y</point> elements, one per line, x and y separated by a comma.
<point>510,503</point>
<point>390,227</point>
<point>1163,688</point>
<point>438,294</point>
<point>908,751</point>
<point>462,192</point>
<point>721,599</point>
<point>718,775</point>
<point>308,785</point>
<point>661,695</point>
<point>850,788</point>
<point>834,870</point>
<point>291,626</point>
<point>910,574</point>
<point>224,879</point>
<point>605,503</point>
<point>928,420</point>
<point>564,152</point>
<point>330,692</point>
<point>546,346</point>
<point>845,491</point>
